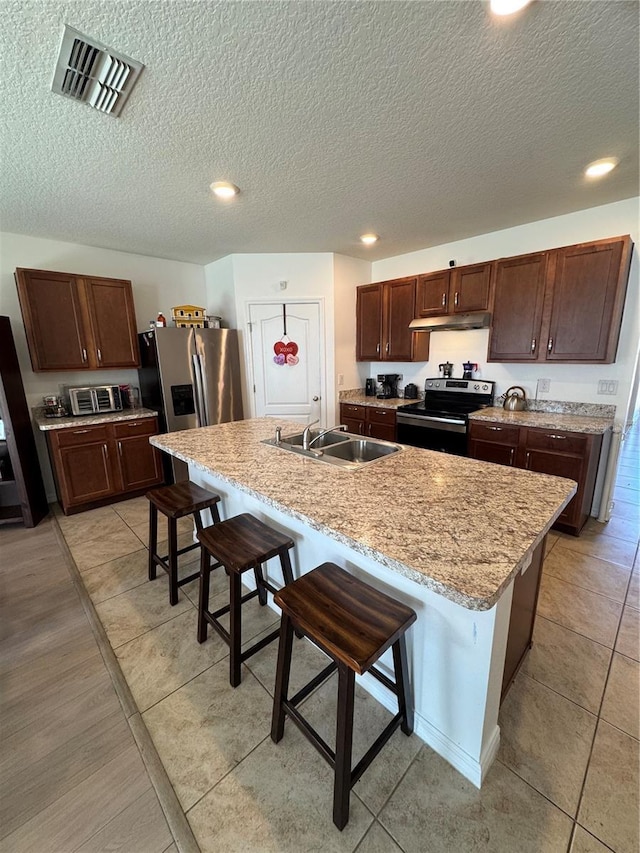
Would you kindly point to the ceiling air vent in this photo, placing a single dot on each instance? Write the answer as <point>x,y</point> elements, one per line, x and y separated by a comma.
<point>90,72</point>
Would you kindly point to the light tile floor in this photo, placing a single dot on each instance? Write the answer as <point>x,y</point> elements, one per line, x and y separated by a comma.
<point>566,776</point>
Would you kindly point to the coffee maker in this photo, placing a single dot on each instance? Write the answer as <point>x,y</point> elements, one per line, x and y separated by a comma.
<point>388,383</point>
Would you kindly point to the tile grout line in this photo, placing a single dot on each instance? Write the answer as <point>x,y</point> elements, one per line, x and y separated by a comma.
<point>174,815</point>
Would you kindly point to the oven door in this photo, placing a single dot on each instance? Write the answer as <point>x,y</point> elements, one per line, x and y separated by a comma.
<point>448,435</point>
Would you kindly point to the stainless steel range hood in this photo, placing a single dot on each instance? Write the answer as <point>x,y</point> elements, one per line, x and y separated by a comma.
<point>477,320</point>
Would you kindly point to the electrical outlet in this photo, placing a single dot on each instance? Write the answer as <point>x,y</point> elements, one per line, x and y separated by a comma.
<point>544,386</point>
<point>340,380</point>
<point>608,386</point>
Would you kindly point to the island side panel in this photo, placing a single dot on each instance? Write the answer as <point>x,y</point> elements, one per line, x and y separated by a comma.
<point>456,656</point>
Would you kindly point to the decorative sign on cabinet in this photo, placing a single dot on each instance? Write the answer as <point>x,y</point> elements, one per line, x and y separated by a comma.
<point>76,322</point>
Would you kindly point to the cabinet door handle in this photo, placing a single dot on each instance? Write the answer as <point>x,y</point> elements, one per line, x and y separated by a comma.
<point>105,453</point>
<point>386,349</point>
<point>84,354</point>
<point>99,354</point>
<point>495,429</point>
<point>533,345</point>
<point>550,345</point>
<point>444,300</point>
<point>558,437</point>
<point>378,349</point>
<point>80,431</point>
<point>528,458</point>
<point>120,448</point>
<point>455,298</point>
<point>511,455</point>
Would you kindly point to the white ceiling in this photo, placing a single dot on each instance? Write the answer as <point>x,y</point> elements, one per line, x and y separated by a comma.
<point>425,122</point>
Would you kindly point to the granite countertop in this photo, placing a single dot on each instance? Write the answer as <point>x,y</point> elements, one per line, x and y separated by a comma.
<point>45,423</point>
<point>546,420</point>
<point>359,398</point>
<point>461,527</point>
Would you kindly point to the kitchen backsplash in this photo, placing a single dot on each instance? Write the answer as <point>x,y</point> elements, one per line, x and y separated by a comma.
<point>562,407</point>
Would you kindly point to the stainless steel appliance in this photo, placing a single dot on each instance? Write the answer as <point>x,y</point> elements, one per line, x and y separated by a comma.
<point>411,391</point>
<point>440,421</point>
<point>388,385</point>
<point>191,377</point>
<point>94,399</point>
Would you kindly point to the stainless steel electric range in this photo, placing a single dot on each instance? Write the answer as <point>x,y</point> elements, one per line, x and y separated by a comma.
<point>441,420</point>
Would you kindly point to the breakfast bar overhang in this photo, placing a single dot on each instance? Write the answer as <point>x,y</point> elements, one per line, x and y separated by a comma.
<point>458,540</point>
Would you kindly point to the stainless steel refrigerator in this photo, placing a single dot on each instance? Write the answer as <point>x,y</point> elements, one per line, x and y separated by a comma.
<point>191,377</point>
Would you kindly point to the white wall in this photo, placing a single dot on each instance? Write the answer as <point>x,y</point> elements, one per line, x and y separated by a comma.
<point>220,291</point>
<point>157,286</point>
<point>308,276</point>
<point>348,273</point>
<point>571,382</point>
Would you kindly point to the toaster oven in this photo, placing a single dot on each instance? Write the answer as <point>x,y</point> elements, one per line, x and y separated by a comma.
<point>94,399</point>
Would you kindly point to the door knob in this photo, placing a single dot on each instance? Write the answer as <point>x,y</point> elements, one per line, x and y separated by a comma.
<point>315,399</point>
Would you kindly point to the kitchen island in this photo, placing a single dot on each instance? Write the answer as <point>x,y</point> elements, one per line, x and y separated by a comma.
<point>449,536</point>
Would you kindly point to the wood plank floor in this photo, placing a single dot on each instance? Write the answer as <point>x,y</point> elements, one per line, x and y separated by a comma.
<point>71,775</point>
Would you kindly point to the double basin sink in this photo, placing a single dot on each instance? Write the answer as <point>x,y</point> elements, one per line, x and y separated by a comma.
<point>337,448</point>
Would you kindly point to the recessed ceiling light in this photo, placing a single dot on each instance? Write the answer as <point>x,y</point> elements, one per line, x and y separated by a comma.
<point>507,7</point>
<point>601,167</point>
<point>223,189</point>
<point>369,239</point>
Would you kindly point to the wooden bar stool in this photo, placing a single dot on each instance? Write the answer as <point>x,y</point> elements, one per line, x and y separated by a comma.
<point>353,624</point>
<point>239,544</point>
<point>185,498</point>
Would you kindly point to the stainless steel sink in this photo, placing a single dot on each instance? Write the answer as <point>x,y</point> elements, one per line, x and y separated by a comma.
<point>361,450</point>
<point>327,439</point>
<point>341,449</point>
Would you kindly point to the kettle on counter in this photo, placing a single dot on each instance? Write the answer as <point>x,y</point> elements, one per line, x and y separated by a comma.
<point>513,402</point>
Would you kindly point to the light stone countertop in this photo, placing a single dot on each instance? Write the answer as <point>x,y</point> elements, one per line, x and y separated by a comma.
<point>461,527</point>
<point>545,420</point>
<point>45,423</point>
<point>359,398</point>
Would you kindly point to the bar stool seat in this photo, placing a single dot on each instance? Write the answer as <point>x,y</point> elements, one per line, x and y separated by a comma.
<point>177,501</point>
<point>354,625</point>
<point>240,544</point>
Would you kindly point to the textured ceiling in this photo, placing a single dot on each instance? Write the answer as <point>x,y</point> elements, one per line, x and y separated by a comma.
<point>422,121</point>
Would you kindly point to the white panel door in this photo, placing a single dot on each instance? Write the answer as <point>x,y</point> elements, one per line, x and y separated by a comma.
<point>287,368</point>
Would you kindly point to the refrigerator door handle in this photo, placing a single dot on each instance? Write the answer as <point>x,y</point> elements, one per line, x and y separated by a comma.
<point>199,395</point>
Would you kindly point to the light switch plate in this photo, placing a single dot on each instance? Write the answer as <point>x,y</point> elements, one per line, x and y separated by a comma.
<point>544,386</point>
<point>608,386</point>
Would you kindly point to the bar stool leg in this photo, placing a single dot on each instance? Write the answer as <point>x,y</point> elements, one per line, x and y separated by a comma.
<point>235,628</point>
<point>287,576</point>
<point>173,561</point>
<point>262,590</point>
<point>285,646</point>
<point>344,737</point>
<point>153,539</point>
<point>402,684</point>
<point>203,597</point>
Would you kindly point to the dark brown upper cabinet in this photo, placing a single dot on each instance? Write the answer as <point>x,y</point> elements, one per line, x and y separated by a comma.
<point>564,305</point>
<point>454,291</point>
<point>75,322</point>
<point>384,311</point>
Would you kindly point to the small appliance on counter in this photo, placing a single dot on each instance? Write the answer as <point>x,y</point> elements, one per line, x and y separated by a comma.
<point>411,391</point>
<point>468,369</point>
<point>54,407</point>
<point>370,388</point>
<point>388,386</point>
<point>445,370</point>
<point>94,399</point>
<point>130,396</point>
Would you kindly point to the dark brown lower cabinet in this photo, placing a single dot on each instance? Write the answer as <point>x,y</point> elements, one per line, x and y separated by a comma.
<point>523,613</point>
<point>102,463</point>
<point>373,421</point>
<point>558,452</point>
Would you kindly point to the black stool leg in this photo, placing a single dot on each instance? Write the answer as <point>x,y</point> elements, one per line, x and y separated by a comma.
<point>235,628</point>
<point>173,561</point>
<point>285,645</point>
<point>402,684</point>
<point>203,598</point>
<point>344,738</point>
<point>262,590</point>
<point>287,576</point>
<point>153,539</point>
